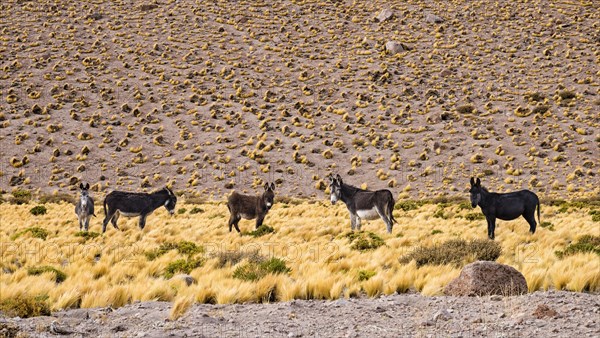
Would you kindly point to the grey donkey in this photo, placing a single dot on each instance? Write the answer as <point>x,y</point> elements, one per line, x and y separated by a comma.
<point>85,207</point>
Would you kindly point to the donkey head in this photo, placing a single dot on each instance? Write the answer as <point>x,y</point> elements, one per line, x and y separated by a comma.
<point>84,189</point>
<point>171,201</point>
<point>475,192</point>
<point>269,195</point>
<point>335,187</point>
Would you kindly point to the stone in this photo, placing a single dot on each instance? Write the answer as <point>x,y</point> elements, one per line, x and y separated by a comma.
<point>384,15</point>
<point>432,18</point>
<point>189,280</point>
<point>483,278</point>
<point>395,47</point>
<point>442,314</point>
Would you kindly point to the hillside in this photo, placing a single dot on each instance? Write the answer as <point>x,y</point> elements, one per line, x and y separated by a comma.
<point>211,96</point>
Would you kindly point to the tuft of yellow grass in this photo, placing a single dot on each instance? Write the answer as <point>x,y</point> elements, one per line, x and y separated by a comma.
<point>180,306</point>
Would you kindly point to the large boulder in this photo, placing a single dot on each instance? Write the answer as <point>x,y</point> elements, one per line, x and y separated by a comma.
<point>483,278</point>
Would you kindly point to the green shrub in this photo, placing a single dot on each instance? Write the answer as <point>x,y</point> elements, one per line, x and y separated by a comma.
<point>21,197</point>
<point>57,198</point>
<point>26,306</point>
<point>465,206</point>
<point>87,234</point>
<point>182,266</point>
<point>439,213</point>
<point>408,205</point>
<point>196,210</point>
<point>38,210</point>
<point>473,216</point>
<point>261,231</point>
<point>585,244</point>
<point>183,247</point>
<point>364,241</point>
<point>181,211</point>
<point>255,271</point>
<point>436,231</point>
<point>547,225</point>
<point>36,232</point>
<point>59,276</point>
<point>456,252</point>
<point>365,275</point>
<point>595,215</point>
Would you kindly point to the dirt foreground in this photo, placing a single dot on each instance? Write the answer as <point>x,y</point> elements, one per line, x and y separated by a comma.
<point>540,314</point>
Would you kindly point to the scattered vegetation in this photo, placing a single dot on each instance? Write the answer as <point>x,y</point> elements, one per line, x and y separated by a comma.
<point>182,266</point>
<point>56,198</point>
<point>408,205</point>
<point>196,210</point>
<point>364,275</point>
<point>59,276</point>
<point>38,210</point>
<point>253,271</point>
<point>261,231</point>
<point>474,216</point>
<point>547,225</point>
<point>87,234</point>
<point>235,256</point>
<point>21,197</point>
<point>595,215</point>
<point>35,232</point>
<point>585,244</point>
<point>26,306</point>
<point>456,252</point>
<point>364,240</point>
<point>183,247</point>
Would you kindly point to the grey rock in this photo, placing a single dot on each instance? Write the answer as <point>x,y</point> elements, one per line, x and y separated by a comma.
<point>432,18</point>
<point>442,314</point>
<point>384,15</point>
<point>483,278</point>
<point>394,47</point>
<point>189,280</point>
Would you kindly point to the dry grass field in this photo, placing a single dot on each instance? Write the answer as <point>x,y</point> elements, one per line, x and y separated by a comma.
<point>309,238</point>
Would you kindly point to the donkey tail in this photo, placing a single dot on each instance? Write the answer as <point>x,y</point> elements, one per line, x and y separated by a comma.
<point>104,205</point>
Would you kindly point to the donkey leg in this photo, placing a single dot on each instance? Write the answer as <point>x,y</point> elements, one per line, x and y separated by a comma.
<point>352,221</point>
<point>387,219</point>
<point>237,228</point>
<point>114,220</point>
<point>530,218</point>
<point>357,223</point>
<point>80,222</point>
<point>87,222</point>
<point>232,221</point>
<point>491,227</point>
<point>259,221</point>
<point>142,221</point>
<point>107,219</point>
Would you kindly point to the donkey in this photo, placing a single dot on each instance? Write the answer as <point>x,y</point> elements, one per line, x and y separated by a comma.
<point>506,207</point>
<point>84,209</point>
<point>132,204</point>
<point>363,204</point>
<point>250,207</point>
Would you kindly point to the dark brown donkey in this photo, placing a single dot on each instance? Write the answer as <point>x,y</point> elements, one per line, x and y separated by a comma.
<point>250,207</point>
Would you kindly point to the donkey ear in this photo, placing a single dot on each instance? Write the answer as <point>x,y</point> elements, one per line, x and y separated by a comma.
<point>478,183</point>
<point>331,178</point>
<point>472,181</point>
<point>273,186</point>
<point>266,186</point>
<point>81,186</point>
<point>168,191</point>
<point>339,178</point>
<point>87,186</point>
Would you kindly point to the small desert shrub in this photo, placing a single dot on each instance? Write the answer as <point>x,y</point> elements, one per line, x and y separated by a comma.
<point>38,210</point>
<point>586,243</point>
<point>455,252</point>
<point>56,198</point>
<point>474,216</point>
<point>465,109</point>
<point>183,247</point>
<point>182,266</point>
<point>436,231</point>
<point>261,231</point>
<point>26,306</point>
<point>363,241</point>
<point>595,215</point>
<point>439,213</point>
<point>547,225</point>
<point>566,94</point>
<point>364,275</point>
<point>87,235</point>
<point>464,206</point>
<point>236,256</point>
<point>36,232</point>
<point>541,109</point>
<point>181,211</point>
<point>255,271</point>
<point>196,210</point>
<point>408,205</point>
<point>59,276</point>
<point>21,197</point>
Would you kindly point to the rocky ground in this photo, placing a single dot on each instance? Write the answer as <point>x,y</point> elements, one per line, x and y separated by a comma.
<point>540,314</point>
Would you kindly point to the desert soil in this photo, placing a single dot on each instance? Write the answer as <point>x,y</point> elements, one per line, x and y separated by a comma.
<point>209,96</point>
<point>539,314</point>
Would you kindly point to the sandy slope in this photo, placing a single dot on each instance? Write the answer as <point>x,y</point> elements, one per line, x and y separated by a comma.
<point>209,96</point>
